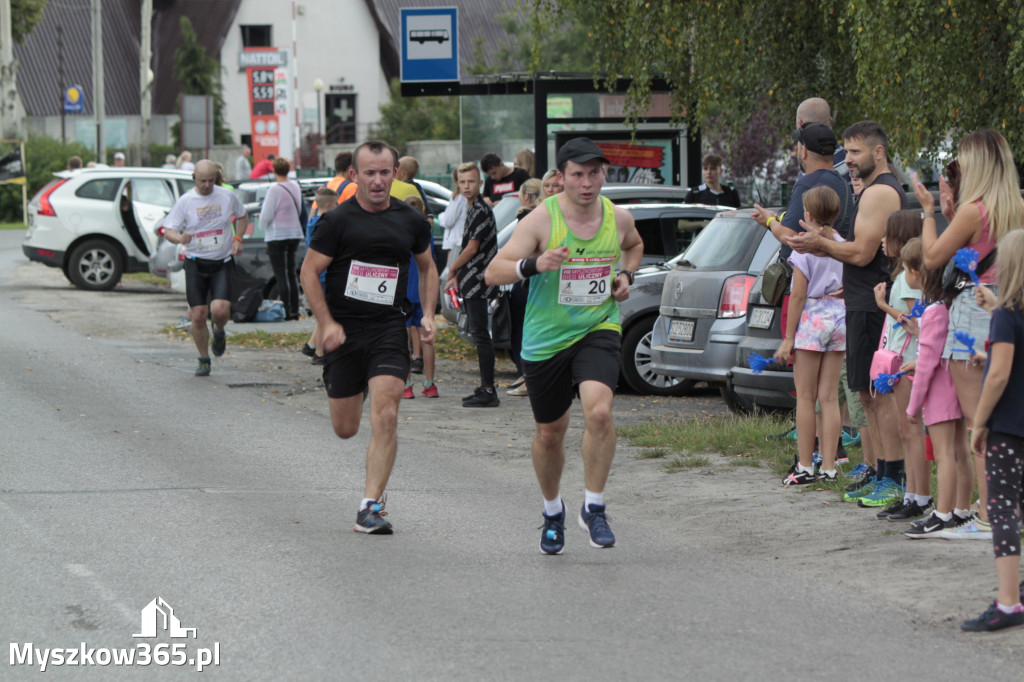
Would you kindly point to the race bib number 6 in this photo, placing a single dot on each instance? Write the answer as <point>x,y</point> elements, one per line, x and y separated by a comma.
<point>372,283</point>
<point>584,283</point>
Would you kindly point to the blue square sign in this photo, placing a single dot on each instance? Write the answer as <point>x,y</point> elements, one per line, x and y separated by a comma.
<point>430,44</point>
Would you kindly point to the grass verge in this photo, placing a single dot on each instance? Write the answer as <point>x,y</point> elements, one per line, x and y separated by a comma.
<point>145,278</point>
<point>743,439</point>
<point>13,226</point>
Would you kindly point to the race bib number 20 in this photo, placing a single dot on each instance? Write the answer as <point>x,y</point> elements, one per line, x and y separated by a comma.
<point>372,283</point>
<point>584,283</point>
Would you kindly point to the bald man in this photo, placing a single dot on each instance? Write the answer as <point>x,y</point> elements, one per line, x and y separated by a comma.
<point>202,220</point>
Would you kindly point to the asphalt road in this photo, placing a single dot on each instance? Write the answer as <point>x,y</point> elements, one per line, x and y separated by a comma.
<point>123,478</point>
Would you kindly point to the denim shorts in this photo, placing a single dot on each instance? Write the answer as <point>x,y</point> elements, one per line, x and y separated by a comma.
<point>965,315</point>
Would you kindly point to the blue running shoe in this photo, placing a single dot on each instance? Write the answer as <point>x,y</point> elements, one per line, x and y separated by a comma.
<point>860,492</point>
<point>552,540</point>
<point>596,522</point>
<point>885,493</point>
<point>850,437</point>
<point>816,460</point>
<point>857,471</point>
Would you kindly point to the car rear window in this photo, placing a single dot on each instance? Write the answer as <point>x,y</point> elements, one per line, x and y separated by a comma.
<point>103,189</point>
<point>725,244</point>
<point>152,191</point>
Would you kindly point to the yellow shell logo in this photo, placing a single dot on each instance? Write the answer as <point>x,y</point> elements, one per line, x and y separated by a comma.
<point>74,95</point>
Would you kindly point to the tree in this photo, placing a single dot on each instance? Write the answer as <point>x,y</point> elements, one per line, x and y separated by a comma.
<point>925,70</point>
<point>199,74</point>
<point>416,118</point>
<point>25,14</point>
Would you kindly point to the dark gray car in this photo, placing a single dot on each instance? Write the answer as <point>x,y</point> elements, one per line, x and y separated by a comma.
<point>703,307</point>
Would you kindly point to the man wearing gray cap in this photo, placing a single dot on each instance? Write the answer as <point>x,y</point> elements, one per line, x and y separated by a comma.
<point>570,247</point>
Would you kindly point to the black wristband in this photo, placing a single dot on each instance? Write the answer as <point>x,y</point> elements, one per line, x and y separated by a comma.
<point>527,268</point>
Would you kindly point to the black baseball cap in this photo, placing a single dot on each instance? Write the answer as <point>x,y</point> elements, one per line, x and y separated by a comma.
<point>817,138</point>
<point>579,150</point>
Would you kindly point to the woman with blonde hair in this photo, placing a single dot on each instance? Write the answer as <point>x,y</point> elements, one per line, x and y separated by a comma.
<point>529,197</point>
<point>527,161</point>
<point>982,209</point>
<point>550,184</point>
<point>185,161</point>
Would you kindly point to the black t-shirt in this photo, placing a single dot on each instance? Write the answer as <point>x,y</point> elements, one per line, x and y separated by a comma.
<point>480,225</point>
<point>795,208</point>
<point>1008,327</point>
<point>859,281</point>
<point>507,185</point>
<point>704,195</point>
<point>361,294</point>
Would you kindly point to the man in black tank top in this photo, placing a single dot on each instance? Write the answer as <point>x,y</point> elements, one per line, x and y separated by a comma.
<point>864,266</point>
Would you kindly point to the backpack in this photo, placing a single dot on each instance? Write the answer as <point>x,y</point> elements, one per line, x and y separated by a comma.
<point>247,304</point>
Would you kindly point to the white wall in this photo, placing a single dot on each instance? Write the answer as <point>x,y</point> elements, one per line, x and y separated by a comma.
<point>334,39</point>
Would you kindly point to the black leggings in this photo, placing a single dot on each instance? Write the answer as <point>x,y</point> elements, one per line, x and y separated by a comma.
<point>1004,470</point>
<point>477,313</point>
<point>282,259</point>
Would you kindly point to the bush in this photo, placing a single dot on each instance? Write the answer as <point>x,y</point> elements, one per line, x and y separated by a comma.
<point>43,156</point>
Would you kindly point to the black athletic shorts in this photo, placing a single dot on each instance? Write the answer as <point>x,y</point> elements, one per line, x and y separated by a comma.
<point>863,331</point>
<point>207,280</point>
<point>552,383</point>
<point>366,353</point>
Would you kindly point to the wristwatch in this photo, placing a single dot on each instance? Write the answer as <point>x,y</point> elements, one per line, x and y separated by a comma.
<point>627,273</point>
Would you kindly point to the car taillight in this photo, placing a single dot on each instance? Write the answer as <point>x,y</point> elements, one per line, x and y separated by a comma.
<point>45,207</point>
<point>734,296</point>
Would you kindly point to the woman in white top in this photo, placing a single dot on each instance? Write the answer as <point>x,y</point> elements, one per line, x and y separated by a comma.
<point>281,220</point>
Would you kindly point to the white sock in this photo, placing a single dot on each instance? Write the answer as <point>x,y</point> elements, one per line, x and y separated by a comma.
<point>367,501</point>
<point>590,498</point>
<point>962,513</point>
<point>923,500</point>
<point>908,498</point>
<point>944,517</point>
<point>553,507</point>
<point>1008,609</point>
<point>801,467</point>
<point>829,472</point>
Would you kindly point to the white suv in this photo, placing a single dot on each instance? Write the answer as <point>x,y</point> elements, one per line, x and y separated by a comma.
<point>98,223</point>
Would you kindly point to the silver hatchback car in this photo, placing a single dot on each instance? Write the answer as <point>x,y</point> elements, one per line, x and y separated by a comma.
<point>703,309</point>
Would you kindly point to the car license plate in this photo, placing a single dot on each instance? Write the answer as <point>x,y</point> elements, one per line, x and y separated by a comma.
<point>761,318</point>
<point>681,330</point>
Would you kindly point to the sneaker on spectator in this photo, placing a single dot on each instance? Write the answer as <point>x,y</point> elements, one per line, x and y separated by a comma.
<point>816,459</point>
<point>184,323</point>
<point>790,434</point>
<point>866,489</point>
<point>994,619</point>
<point>484,398</point>
<point>911,511</point>
<point>892,508</point>
<point>370,519</point>
<point>430,391</point>
<point>408,392</point>
<point>841,456</point>
<point>822,477</point>
<point>972,529</point>
<point>857,471</point>
<point>850,436</point>
<point>886,492</point>
<point>417,366</point>
<point>593,520</point>
<point>552,539</point>
<point>799,478</point>
<point>858,483</point>
<point>931,526</point>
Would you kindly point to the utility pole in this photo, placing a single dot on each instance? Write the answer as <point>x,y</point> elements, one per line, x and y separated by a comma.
<point>10,127</point>
<point>99,105</point>
<point>146,79</point>
<point>61,83</point>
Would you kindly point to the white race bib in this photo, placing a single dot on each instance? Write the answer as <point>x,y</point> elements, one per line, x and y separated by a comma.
<point>584,283</point>
<point>207,240</point>
<point>372,283</point>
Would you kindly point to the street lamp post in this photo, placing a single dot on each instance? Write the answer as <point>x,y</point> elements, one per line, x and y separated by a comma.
<point>318,86</point>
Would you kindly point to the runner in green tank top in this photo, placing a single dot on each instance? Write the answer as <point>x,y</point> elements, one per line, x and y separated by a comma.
<point>580,252</point>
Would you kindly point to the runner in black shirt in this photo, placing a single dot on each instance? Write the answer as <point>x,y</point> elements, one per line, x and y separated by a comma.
<point>364,245</point>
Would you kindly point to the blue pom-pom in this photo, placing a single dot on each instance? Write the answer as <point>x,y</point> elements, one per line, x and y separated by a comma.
<point>966,260</point>
<point>918,309</point>
<point>757,363</point>
<point>884,383</point>
<point>966,339</point>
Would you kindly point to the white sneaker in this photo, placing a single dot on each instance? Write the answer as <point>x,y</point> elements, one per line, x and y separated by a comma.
<point>975,529</point>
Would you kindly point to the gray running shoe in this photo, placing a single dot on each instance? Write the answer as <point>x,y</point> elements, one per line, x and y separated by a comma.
<point>203,370</point>
<point>370,519</point>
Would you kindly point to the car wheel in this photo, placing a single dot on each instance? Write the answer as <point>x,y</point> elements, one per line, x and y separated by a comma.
<point>95,265</point>
<point>636,364</point>
<point>736,403</point>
